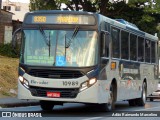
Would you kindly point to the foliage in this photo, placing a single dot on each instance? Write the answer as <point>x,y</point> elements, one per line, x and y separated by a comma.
<point>141,16</point>
<point>6,50</point>
<point>43,5</point>
<point>150,17</point>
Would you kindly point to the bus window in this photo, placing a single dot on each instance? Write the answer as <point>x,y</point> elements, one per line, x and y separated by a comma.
<point>124,45</point>
<point>140,49</point>
<point>107,26</point>
<point>153,46</point>
<point>133,47</point>
<point>115,42</point>
<point>147,50</point>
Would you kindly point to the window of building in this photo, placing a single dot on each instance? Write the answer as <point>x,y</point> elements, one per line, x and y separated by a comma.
<point>17,8</point>
<point>7,8</point>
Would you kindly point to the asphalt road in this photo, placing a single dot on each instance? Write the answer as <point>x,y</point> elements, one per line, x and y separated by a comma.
<point>72,111</point>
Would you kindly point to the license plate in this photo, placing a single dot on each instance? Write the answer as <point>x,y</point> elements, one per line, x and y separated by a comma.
<point>53,94</point>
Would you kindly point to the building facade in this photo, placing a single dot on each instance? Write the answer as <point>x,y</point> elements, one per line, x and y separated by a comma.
<point>11,17</point>
<point>6,26</point>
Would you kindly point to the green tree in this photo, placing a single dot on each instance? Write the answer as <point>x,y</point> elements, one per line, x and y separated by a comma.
<point>44,5</point>
<point>151,14</point>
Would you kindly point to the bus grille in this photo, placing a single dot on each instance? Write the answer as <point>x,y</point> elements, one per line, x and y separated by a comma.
<point>59,74</point>
<point>65,92</point>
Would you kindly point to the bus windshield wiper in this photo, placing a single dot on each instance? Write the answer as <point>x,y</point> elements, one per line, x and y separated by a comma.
<point>67,45</point>
<point>46,39</point>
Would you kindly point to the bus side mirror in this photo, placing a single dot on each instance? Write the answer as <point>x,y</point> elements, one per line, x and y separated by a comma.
<point>104,47</point>
<point>16,41</point>
<point>104,44</point>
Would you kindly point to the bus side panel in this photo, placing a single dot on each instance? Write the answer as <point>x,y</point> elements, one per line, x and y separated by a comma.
<point>148,74</point>
<point>130,77</point>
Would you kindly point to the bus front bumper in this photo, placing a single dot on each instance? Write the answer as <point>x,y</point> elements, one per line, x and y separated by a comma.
<point>94,94</point>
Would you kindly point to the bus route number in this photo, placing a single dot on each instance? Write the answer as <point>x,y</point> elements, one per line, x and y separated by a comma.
<point>70,83</point>
<point>40,19</point>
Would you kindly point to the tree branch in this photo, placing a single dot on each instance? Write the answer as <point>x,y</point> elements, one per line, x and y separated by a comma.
<point>70,7</point>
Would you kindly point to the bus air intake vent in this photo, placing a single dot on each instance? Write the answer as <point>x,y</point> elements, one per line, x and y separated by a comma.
<point>57,74</point>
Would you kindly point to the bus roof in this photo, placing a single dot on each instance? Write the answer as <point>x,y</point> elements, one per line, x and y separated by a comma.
<point>120,23</point>
<point>59,12</point>
<point>56,17</point>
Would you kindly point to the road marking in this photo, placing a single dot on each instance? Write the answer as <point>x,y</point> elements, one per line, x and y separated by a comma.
<point>94,118</point>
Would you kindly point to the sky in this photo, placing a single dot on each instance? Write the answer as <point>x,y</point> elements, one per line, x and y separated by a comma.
<point>22,1</point>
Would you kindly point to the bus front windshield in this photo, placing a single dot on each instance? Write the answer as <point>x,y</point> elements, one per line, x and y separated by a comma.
<point>64,48</point>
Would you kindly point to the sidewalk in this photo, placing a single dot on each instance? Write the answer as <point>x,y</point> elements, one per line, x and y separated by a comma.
<point>15,102</point>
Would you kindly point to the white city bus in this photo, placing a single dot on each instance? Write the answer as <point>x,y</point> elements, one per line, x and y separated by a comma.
<point>85,57</point>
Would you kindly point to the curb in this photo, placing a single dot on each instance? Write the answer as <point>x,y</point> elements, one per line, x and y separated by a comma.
<point>14,102</point>
<point>19,104</point>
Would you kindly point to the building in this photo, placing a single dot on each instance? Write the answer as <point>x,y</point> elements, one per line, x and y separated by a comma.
<point>19,9</point>
<point>5,26</point>
<point>11,17</point>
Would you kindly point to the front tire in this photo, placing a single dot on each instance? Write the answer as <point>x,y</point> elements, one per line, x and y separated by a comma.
<point>111,101</point>
<point>46,105</point>
<point>142,100</point>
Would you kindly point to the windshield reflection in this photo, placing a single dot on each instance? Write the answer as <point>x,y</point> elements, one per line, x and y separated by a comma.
<point>81,52</point>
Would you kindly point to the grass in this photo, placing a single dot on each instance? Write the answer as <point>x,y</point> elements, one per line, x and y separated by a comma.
<point>8,75</point>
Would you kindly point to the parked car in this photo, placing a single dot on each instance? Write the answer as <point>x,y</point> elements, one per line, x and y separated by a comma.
<point>156,94</point>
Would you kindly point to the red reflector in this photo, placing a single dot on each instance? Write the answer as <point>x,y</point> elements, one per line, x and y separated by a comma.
<point>53,94</point>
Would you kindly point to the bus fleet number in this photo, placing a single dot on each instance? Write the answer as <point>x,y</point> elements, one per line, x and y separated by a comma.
<point>70,83</point>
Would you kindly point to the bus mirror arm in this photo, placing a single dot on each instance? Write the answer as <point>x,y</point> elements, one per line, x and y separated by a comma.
<point>14,40</point>
<point>13,37</point>
<point>104,60</point>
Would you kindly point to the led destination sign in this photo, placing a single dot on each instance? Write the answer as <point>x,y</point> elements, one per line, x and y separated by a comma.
<point>60,19</point>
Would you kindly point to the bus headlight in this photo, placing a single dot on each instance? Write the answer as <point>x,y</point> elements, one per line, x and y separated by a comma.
<point>24,82</point>
<point>88,84</point>
<point>21,79</point>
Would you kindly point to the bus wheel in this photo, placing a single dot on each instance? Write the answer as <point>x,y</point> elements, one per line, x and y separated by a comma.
<point>46,105</point>
<point>142,100</point>
<point>111,103</point>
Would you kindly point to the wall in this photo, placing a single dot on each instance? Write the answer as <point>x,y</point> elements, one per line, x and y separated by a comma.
<point>5,20</point>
